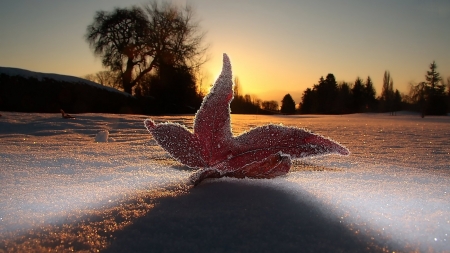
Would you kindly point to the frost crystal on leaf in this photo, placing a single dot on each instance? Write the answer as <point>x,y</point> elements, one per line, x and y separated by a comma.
<point>262,152</point>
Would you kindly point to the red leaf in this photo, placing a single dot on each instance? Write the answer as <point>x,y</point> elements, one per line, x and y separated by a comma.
<point>275,165</point>
<point>179,142</point>
<point>272,166</point>
<point>212,121</point>
<point>263,152</point>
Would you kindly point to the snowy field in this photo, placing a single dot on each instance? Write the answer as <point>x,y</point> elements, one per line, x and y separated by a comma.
<point>101,183</point>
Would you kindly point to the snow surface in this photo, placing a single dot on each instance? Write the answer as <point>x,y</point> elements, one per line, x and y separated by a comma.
<point>63,78</point>
<point>103,136</point>
<point>58,186</point>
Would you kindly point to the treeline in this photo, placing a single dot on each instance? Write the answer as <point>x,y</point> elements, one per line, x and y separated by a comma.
<point>154,53</point>
<point>29,94</point>
<point>246,104</point>
<point>430,97</point>
<point>326,97</point>
<point>331,97</point>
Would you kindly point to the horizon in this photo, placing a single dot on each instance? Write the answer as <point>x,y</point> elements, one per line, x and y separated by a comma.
<point>271,45</point>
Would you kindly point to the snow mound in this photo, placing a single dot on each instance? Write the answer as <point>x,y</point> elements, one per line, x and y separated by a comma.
<point>64,78</point>
<point>103,136</point>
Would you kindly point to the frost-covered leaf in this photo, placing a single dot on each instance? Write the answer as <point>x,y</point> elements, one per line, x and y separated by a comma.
<point>262,152</point>
<point>178,141</point>
<point>212,121</point>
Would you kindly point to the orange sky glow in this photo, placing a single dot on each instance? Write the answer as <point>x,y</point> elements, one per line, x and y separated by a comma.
<point>276,47</point>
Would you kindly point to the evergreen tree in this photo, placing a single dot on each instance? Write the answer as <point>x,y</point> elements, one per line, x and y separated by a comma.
<point>435,92</point>
<point>369,95</point>
<point>358,95</point>
<point>287,105</point>
<point>326,94</point>
<point>344,98</point>
<point>432,79</point>
<point>308,104</point>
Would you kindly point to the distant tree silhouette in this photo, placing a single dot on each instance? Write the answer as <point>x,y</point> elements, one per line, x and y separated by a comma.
<point>308,103</point>
<point>418,95</point>
<point>433,78</point>
<point>326,93</point>
<point>358,93</point>
<point>287,105</point>
<point>237,89</point>
<point>370,96</point>
<point>328,97</point>
<point>90,77</point>
<point>109,78</point>
<point>435,92</point>
<point>345,98</point>
<point>430,95</point>
<point>172,90</point>
<point>243,104</point>
<point>271,105</point>
<point>397,101</point>
<point>106,78</point>
<point>322,98</point>
<point>134,41</point>
<point>387,93</point>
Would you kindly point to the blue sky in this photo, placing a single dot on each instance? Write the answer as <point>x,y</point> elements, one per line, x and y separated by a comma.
<point>276,47</point>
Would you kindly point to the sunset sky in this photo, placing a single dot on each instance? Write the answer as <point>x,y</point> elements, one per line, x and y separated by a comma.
<point>276,47</point>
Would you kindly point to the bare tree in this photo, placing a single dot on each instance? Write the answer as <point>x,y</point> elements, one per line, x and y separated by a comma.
<point>237,87</point>
<point>134,41</point>
<point>387,92</point>
<point>90,77</point>
<point>418,94</point>
<point>106,78</point>
<point>109,78</point>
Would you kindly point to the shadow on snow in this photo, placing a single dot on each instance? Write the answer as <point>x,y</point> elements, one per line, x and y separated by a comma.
<point>230,216</point>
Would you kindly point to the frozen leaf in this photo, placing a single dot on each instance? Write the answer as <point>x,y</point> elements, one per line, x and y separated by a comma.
<point>262,152</point>
<point>179,142</point>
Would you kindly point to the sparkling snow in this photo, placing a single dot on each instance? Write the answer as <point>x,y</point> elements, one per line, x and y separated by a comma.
<point>56,175</point>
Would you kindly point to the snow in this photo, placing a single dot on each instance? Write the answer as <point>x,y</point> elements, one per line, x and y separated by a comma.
<point>63,190</point>
<point>63,78</point>
<point>103,136</point>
